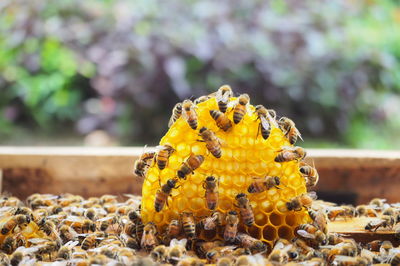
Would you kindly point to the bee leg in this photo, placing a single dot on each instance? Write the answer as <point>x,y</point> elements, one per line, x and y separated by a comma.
<point>200,140</point>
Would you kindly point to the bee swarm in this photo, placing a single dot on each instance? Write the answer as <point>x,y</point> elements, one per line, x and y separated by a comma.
<point>71,230</point>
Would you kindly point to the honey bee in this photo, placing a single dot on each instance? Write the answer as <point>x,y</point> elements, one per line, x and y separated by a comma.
<point>279,253</point>
<point>303,200</point>
<point>262,184</point>
<point>213,143</point>
<point>139,229</point>
<point>210,223</point>
<point>266,117</point>
<point>385,221</point>
<point>163,155</point>
<point>79,224</point>
<point>65,252</point>
<point>334,238</point>
<point>246,211</point>
<point>350,261</point>
<point>67,233</point>
<point>47,248</point>
<point>240,108</point>
<point>191,164</point>
<point>48,227</point>
<point>201,99</point>
<point>202,247</point>
<point>108,221</point>
<point>211,186</point>
<point>289,129</point>
<point>16,258</point>
<point>149,240</point>
<point>162,195</point>
<point>89,241</point>
<point>222,97</point>
<point>221,120</point>
<point>288,154</point>
<point>130,241</point>
<point>308,231</point>
<point>255,245</point>
<point>159,253</point>
<point>364,210</point>
<point>90,214</point>
<point>320,220</point>
<point>189,226</point>
<point>189,113</point>
<point>143,163</point>
<point>342,211</point>
<point>173,229</point>
<point>310,174</point>
<point>176,251</point>
<point>176,113</point>
<point>130,229</point>
<point>232,222</point>
<point>25,211</point>
<point>14,221</point>
<point>9,244</point>
<point>126,255</point>
<point>377,202</point>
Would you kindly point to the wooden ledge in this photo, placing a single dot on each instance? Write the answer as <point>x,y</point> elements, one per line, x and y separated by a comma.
<point>93,171</point>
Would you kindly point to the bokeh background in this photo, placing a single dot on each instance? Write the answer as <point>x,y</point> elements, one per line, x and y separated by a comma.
<point>109,72</point>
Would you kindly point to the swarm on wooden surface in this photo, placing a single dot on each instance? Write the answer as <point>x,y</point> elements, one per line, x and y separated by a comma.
<point>248,151</point>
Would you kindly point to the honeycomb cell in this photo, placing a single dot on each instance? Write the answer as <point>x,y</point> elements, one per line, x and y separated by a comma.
<point>245,155</point>
<point>285,232</point>
<point>290,219</point>
<point>275,219</point>
<point>255,231</point>
<point>269,233</point>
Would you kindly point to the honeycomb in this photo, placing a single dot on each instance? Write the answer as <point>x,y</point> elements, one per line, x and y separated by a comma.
<point>245,155</point>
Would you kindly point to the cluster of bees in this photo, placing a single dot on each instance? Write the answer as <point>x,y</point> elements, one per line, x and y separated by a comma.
<point>71,230</point>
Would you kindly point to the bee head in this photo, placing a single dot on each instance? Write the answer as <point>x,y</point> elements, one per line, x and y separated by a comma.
<point>240,195</point>
<point>232,213</point>
<point>277,180</point>
<point>171,183</point>
<point>210,178</point>
<point>202,129</point>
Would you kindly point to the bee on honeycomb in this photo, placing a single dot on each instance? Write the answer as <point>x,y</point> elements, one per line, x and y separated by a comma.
<point>224,138</point>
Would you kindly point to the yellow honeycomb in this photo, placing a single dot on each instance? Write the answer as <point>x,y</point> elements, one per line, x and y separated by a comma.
<point>244,156</point>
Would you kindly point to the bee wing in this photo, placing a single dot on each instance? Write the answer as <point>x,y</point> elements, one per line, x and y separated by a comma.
<point>279,245</point>
<point>131,196</point>
<point>71,244</point>
<point>175,242</point>
<point>105,218</point>
<point>25,250</point>
<point>305,234</point>
<point>257,259</point>
<point>312,194</point>
<point>233,103</point>
<point>272,120</point>
<point>342,258</point>
<point>264,123</point>
<point>74,219</point>
<point>37,240</point>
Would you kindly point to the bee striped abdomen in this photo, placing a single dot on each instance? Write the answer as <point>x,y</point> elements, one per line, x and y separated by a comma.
<point>221,119</point>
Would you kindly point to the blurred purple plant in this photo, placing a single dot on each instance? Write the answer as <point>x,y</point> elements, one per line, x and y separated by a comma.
<point>122,65</point>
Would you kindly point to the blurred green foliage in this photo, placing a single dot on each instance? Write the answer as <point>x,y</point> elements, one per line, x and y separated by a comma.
<point>120,66</point>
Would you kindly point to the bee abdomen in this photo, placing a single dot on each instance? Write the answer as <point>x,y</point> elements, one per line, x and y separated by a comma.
<point>238,115</point>
<point>216,151</point>
<point>265,132</point>
<point>222,106</point>
<point>193,123</point>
